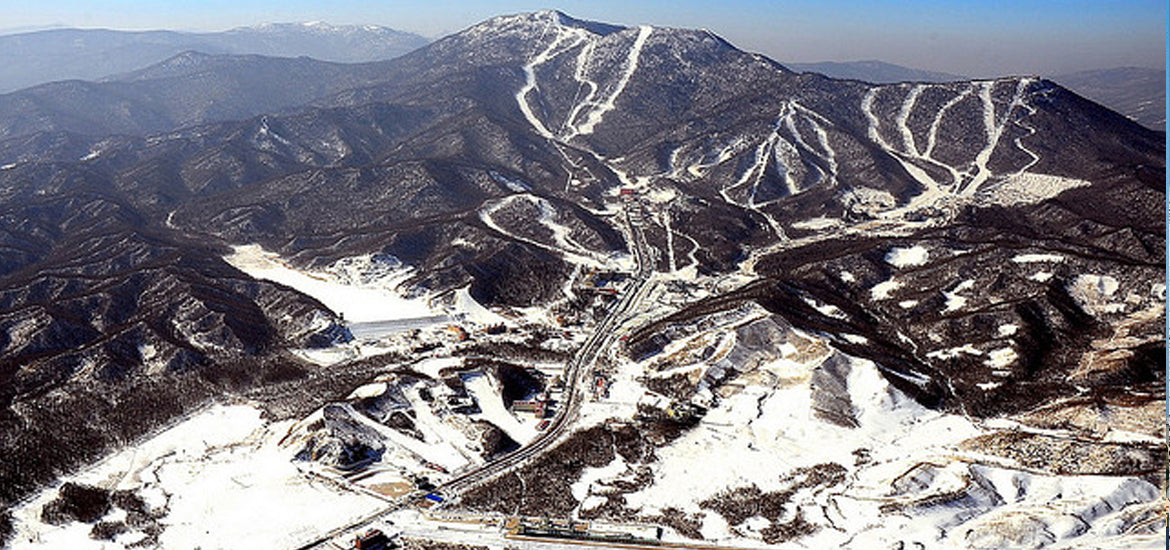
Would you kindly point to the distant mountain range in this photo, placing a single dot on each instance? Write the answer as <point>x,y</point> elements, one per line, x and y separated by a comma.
<point>994,247</point>
<point>28,59</point>
<point>1135,92</point>
<point>1138,93</point>
<point>877,72</point>
<point>188,89</point>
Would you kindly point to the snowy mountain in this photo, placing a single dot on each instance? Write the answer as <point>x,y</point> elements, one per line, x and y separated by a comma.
<point>935,308</point>
<point>1137,93</point>
<point>28,59</point>
<point>186,90</point>
<point>319,40</point>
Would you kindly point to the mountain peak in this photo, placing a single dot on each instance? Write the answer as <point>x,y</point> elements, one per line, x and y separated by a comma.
<point>316,27</point>
<point>541,20</point>
<point>594,27</point>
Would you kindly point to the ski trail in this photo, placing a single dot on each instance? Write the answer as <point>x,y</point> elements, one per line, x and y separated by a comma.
<point>780,150</point>
<point>631,65</point>
<point>758,170</point>
<point>728,151</point>
<point>800,143</point>
<point>770,156</point>
<point>567,288</point>
<point>932,137</point>
<point>1031,130</point>
<point>561,234</point>
<point>931,187</point>
<point>672,168</point>
<point>981,158</point>
<point>568,130</point>
<point>759,162</point>
<point>908,141</point>
<point>569,178</point>
<point>904,115</point>
<point>530,82</point>
<point>764,151</point>
<point>694,250</point>
<point>669,239</point>
<point>822,151</point>
<point>485,215</point>
<point>787,155</point>
<point>757,159</point>
<point>873,124</point>
<point>994,130</point>
<point>819,122</point>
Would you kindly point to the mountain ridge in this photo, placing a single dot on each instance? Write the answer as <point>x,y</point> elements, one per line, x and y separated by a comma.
<point>875,71</point>
<point>979,241</point>
<point>1136,92</point>
<point>28,59</point>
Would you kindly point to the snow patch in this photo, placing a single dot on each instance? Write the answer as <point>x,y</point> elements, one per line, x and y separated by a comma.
<point>818,223</point>
<point>1035,258</point>
<point>1093,293</point>
<point>367,391</point>
<point>1029,188</point>
<point>882,290</point>
<point>907,257</point>
<point>1100,285</point>
<point>825,309</point>
<point>1041,276</point>
<point>954,352</point>
<point>514,185</point>
<point>869,200</point>
<point>954,301</point>
<point>583,488</point>
<point>1000,358</point>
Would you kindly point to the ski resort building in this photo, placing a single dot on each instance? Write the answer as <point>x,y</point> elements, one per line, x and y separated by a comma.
<point>374,539</point>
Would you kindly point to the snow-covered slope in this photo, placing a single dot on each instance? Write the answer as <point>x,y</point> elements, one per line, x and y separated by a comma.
<point>879,257</point>
<point>800,444</point>
<point>202,472</point>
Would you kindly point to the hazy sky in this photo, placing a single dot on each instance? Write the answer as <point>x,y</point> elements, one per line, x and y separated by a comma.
<point>969,37</point>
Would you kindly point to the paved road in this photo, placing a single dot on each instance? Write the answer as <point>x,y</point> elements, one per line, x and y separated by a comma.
<point>576,389</point>
<point>577,380</point>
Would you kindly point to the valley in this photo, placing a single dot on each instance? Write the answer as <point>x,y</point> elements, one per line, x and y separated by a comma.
<point>548,282</point>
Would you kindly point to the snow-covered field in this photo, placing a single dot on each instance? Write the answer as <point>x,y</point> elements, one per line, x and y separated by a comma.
<point>1029,188</point>
<point>357,292</point>
<point>911,482</point>
<point>907,257</point>
<point>220,479</point>
<point>368,292</point>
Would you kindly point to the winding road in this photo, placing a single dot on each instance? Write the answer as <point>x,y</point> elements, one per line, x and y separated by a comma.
<point>575,391</point>
<point>600,340</point>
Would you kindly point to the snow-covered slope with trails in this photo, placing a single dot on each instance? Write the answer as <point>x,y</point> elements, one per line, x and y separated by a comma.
<point>525,176</point>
